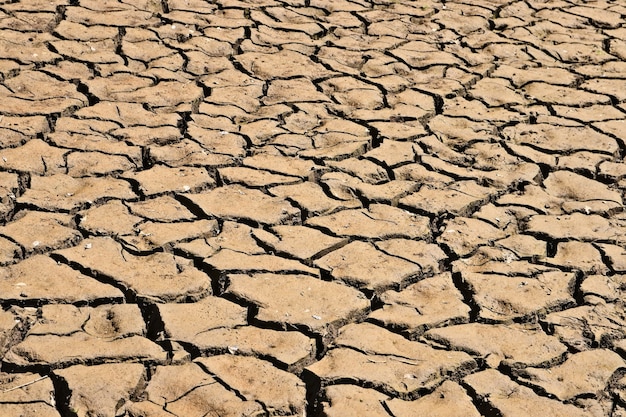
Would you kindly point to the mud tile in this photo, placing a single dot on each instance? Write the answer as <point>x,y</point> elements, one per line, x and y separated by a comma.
<point>161,209</point>
<point>513,345</point>
<point>151,236</point>
<point>375,357</point>
<point>20,389</point>
<point>351,401</point>
<point>187,321</point>
<point>28,48</point>
<point>62,192</point>
<point>313,199</point>
<point>95,142</point>
<point>476,110</point>
<point>100,389</point>
<point>367,171</point>
<point>463,235</point>
<point>127,114</point>
<point>227,260</point>
<point>497,92</point>
<point>400,131</point>
<point>593,113</point>
<point>146,136</point>
<point>187,153</point>
<point>16,130</point>
<point>336,147</point>
<point>609,288</point>
<point>448,400</point>
<point>571,226</point>
<point>500,261</point>
<point>610,87</point>
<point>563,95</point>
<point>254,177</point>
<point>588,326</point>
<point>533,198</point>
<point>282,165</point>
<point>502,299</point>
<point>459,131</point>
<point>361,265</point>
<point>427,255</point>
<point>284,64</point>
<point>39,232</point>
<point>167,96</point>
<point>246,204</point>
<point>298,241</point>
<point>612,170</point>
<point>35,156</point>
<point>37,93</point>
<point>616,256</point>
<point>159,277</point>
<point>114,321</point>
<point>511,399</point>
<point>9,252</point>
<point>613,127</point>
<point>94,51</point>
<point>122,18</point>
<point>305,301</point>
<point>524,246</point>
<point>161,179</point>
<point>144,409</point>
<point>523,76</point>
<point>379,221</point>
<point>188,390</point>
<point>340,185</point>
<point>282,91</point>
<point>393,153</point>
<point>584,373</point>
<point>290,349</point>
<point>59,320</point>
<point>561,139</point>
<point>245,97</point>
<point>578,256</point>
<point>278,390</point>
<point>582,162</point>
<point>111,218</point>
<point>75,31</point>
<point>220,142</point>
<point>419,173</point>
<point>145,50</point>
<point>81,164</point>
<point>342,60</point>
<point>233,236</point>
<point>54,352</point>
<point>460,198</point>
<point>431,302</point>
<point>31,281</point>
<point>418,59</point>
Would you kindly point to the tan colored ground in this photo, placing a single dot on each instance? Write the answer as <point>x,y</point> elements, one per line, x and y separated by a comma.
<point>311,207</point>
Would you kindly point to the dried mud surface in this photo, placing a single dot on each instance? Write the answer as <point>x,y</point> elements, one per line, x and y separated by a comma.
<point>323,208</point>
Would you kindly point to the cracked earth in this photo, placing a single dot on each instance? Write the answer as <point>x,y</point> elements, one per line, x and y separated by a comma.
<point>310,207</point>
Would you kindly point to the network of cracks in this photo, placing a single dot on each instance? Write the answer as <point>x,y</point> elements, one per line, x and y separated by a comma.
<point>310,207</point>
